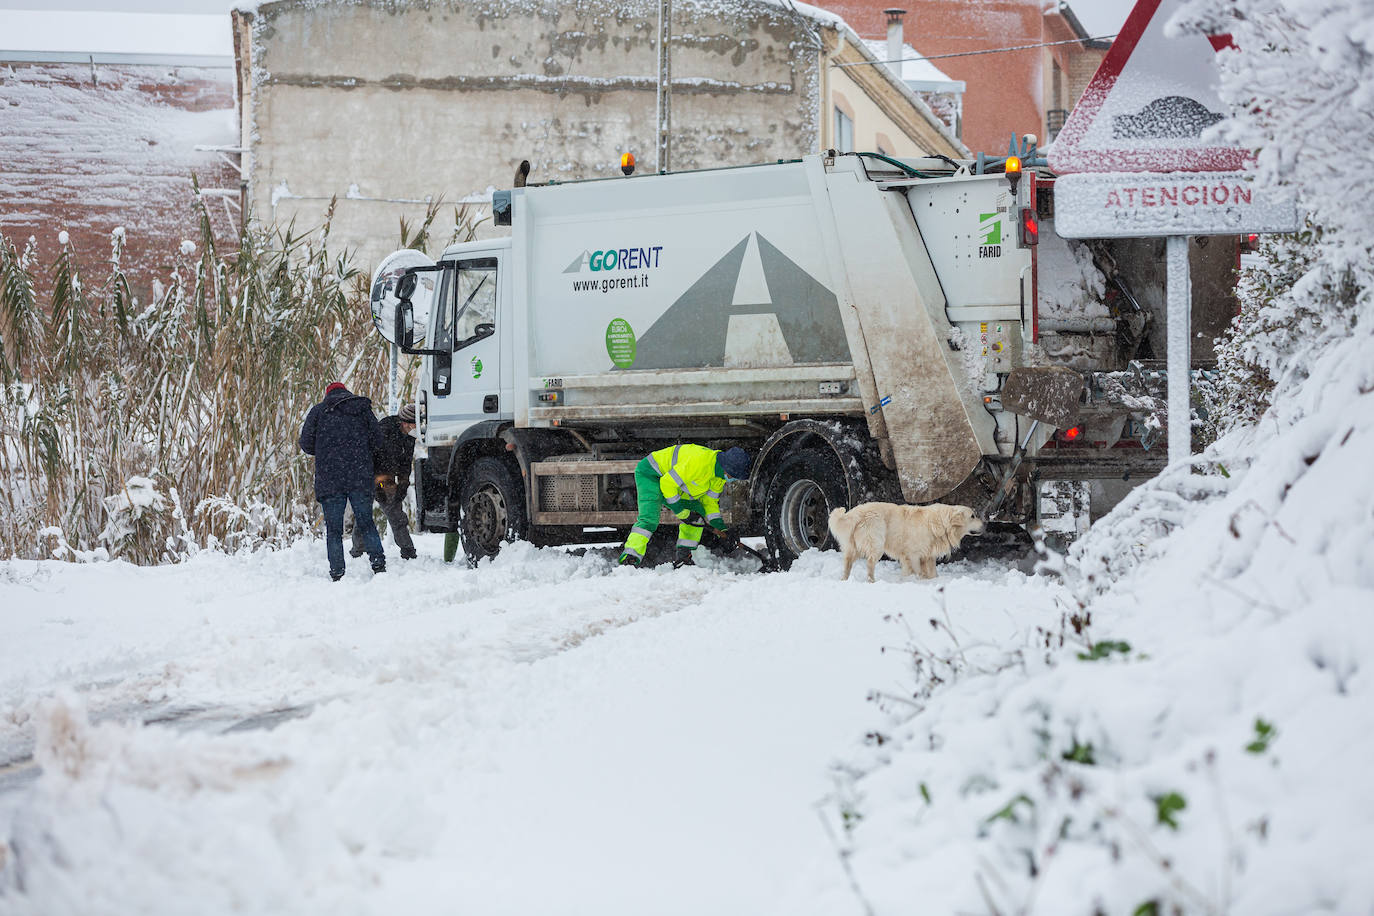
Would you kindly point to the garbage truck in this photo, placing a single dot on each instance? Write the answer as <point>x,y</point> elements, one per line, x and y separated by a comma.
<point>864,327</point>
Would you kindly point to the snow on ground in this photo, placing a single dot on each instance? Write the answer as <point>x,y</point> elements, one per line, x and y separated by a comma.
<point>543,734</point>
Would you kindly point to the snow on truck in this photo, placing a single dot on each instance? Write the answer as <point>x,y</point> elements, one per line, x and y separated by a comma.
<point>865,327</point>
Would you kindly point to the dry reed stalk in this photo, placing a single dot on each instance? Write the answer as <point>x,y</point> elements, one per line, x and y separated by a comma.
<point>152,432</point>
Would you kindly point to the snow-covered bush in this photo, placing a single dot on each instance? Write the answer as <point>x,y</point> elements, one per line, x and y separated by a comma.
<point>1265,336</point>
<point>1172,741</point>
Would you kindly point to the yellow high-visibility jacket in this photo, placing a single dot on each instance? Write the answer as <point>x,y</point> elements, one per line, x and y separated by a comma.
<point>689,472</point>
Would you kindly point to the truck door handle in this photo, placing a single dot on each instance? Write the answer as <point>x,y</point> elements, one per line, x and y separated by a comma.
<point>491,403</point>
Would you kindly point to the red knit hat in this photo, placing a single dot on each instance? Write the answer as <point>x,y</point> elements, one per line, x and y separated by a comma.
<point>332,386</point>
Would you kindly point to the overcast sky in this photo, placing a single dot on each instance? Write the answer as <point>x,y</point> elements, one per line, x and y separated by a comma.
<point>123,6</point>
<point>1099,17</point>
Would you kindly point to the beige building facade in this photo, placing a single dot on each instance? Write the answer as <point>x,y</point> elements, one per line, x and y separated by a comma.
<point>387,106</point>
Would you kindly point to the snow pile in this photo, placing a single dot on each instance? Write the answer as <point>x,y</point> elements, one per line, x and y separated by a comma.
<point>1191,733</point>
<point>546,733</point>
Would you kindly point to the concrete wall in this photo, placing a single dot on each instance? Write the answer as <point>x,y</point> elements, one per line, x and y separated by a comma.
<point>386,104</point>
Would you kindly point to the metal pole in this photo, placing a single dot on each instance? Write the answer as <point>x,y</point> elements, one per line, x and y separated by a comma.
<point>1180,345</point>
<point>665,82</point>
<point>393,395</point>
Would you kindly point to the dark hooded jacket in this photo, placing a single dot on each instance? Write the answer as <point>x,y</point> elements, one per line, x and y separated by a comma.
<point>342,433</point>
<point>398,449</point>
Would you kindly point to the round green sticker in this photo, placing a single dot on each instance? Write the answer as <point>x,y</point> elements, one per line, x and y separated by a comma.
<point>620,343</point>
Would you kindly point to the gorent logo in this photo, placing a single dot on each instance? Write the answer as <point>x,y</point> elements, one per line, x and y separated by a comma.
<point>616,259</point>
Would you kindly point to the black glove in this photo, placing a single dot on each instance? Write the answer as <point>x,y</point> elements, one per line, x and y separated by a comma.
<point>729,541</point>
<point>683,557</point>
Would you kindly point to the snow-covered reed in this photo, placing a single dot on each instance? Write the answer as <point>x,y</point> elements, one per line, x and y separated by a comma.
<point>150,431</point>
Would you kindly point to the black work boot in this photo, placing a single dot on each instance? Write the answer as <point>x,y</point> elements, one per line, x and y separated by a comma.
<point>683,557</point>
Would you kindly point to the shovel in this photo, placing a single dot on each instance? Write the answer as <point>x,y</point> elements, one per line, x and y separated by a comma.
<point>768,564</point>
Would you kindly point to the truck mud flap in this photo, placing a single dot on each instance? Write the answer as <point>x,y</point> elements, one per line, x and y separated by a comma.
<point>1050,394</point>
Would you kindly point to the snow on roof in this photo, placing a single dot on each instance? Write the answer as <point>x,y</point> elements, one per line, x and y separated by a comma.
<point>824,17</point>
<point>84,31</point>
<point>87,148</point>
<point>913,66</point>
<point>1100,17</point>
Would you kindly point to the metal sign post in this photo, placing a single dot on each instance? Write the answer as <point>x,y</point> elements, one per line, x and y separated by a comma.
<point>1179,305</point>
<point>393,398</point>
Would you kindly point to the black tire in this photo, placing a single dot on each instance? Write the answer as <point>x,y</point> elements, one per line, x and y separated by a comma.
<point>491,506</point>
<point>796,508</point>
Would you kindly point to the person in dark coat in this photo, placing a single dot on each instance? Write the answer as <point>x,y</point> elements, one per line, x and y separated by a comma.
<point>391,467</point>
<point>342,433</point>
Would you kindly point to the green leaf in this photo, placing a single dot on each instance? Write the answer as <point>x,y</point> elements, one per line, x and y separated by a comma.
<point>1264,733</point>
<point>925,793</point>
<point>1105,648</point>
<point>1168,805</point>
<point>1080,753</point>
<point>1148,908</point>
<point>1008,811</point>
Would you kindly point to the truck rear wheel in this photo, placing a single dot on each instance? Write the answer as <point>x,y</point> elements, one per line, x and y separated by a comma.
<point>796,509</point>
<point>492,508</point>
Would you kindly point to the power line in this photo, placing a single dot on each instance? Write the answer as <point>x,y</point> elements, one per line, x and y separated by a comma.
<point>903,60</point>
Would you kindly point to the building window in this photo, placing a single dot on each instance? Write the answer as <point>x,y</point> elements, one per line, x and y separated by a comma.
<point>844,132</point>
<point>1054,121</point>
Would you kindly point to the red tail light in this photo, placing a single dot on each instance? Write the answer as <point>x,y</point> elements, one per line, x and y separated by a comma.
<point>1028,230</point>
<point>1072,433</point>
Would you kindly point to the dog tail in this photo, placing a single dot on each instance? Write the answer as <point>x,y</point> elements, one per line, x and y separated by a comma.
<point>839,525</point>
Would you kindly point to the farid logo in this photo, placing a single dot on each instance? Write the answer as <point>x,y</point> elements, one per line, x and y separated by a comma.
<point>990,228</point>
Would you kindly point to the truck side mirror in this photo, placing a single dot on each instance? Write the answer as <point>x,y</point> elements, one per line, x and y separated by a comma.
<point>405,321</point>
<point>405,287</point>
<point>485,329</point>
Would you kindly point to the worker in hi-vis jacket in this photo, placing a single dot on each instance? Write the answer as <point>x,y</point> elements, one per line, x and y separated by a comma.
<point>689,480</point>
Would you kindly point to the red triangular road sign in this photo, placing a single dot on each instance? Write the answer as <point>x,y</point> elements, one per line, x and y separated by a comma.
<point>1148,104</point>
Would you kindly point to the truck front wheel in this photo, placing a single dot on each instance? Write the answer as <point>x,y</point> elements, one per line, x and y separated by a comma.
<point>492,508</point>
<point>796,509</point>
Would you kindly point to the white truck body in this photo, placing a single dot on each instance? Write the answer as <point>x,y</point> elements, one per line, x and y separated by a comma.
<point>865,310</point>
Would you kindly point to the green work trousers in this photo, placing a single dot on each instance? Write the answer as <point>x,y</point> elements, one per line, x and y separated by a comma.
<point>650,498</point>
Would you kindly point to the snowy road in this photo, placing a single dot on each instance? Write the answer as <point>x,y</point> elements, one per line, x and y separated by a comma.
<point>544,734</point>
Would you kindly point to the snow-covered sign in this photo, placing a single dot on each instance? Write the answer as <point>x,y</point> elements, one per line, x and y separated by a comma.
<point>1132,155</point>
<point>1139,204</point>
<point>1149,103</point>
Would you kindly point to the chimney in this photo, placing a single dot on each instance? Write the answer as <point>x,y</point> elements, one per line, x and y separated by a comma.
<point>894,40</point>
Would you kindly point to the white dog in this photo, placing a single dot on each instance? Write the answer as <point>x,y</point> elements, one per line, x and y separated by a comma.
<point>911,535</point>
